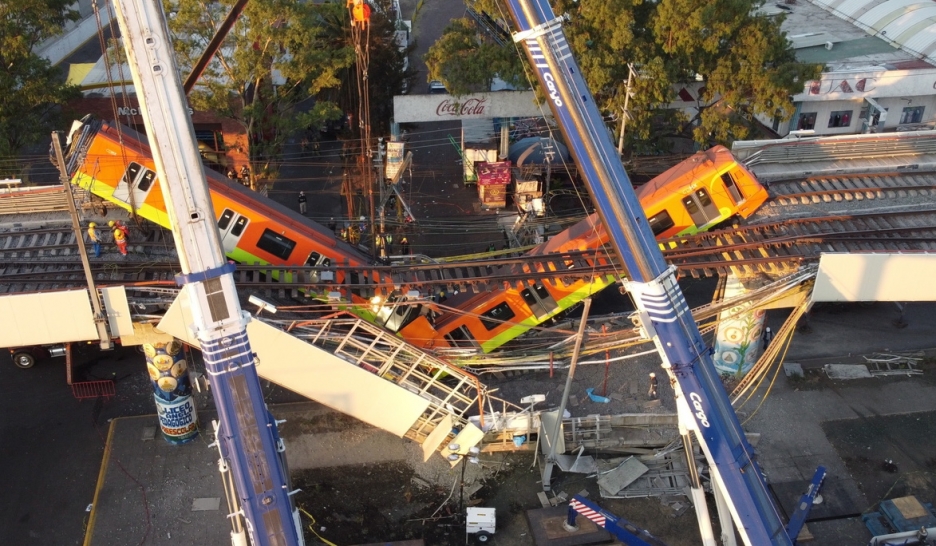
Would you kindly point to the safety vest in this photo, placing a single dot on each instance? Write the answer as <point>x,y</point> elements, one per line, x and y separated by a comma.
<point>92,234</point>
<point>119,235</point>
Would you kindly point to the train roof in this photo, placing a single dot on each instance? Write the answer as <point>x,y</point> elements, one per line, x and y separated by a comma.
<point>256,201</point>
<point>682,172</point>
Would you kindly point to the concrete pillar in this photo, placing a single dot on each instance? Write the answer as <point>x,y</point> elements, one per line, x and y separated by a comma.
<point>168,371</point>
<point>739,338</point>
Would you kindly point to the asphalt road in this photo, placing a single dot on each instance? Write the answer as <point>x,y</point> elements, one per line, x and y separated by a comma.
<point>51,443</point>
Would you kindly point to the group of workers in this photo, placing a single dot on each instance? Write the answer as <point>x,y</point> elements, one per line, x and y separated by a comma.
<point>119,232</point>
<point>244,177</point>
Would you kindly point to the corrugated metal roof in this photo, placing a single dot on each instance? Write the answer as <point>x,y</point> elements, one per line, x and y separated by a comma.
<point>907,24</point>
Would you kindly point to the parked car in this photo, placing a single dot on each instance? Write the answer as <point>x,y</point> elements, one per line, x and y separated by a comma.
<point>437,88</point>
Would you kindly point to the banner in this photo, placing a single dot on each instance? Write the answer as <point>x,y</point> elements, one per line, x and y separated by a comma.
<point>394,158</point>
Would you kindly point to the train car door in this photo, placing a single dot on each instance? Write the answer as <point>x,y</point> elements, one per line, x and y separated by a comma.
<point>394,314</point>
<point>700,207</point>
<point>134,185</point>
<point>539,300</point>
<point>318,260</point>
<point>231,226</point>
<point>733,190</point>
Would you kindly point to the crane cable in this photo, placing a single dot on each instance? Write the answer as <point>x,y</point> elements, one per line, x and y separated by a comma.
<point>113,96</point>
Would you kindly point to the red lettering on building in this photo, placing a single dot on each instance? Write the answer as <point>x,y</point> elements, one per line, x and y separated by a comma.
<point>471,107</point>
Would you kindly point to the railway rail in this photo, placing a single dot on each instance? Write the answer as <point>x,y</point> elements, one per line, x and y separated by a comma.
<point>45,258</point>
<point>780,247</point>
<point>857,187</point>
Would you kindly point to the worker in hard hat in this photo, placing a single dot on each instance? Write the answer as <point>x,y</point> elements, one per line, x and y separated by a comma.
<point>118,224</point>
<point>303,206</point>
<point>95,240</point>
<point>653,394</point>
<point>120,239</point>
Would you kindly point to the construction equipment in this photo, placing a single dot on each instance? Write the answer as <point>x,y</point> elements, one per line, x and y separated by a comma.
<point>622,529</point>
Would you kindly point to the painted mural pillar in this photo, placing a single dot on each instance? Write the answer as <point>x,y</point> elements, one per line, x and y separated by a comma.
<point>175,406</point>
<point>739,337</point>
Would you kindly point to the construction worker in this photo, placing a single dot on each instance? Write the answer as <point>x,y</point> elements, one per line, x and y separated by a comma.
<point>93,236</point>
<point>120,239</point>
<point>118,224</point>
<point>302,203</point>
<point>404,245</point>
<point>652,394</point>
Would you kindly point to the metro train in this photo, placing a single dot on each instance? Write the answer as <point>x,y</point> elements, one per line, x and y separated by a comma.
<point>697,194</point>
<point>704,191</point>
<point>253,229</point>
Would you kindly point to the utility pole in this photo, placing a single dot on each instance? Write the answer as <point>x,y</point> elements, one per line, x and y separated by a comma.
<point>380,177</point>
<point>626,113</point>
<point>100,321</point>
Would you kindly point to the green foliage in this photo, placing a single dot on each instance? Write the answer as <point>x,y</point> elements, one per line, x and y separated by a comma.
<point>465,63</point>
<point>744,62</point>
<point>279,54</point>
<point>33,90</point>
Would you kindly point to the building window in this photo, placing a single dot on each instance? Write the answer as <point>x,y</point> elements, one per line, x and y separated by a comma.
<point>841,118</point>
<point>806,122</point>
<point>911,114</point>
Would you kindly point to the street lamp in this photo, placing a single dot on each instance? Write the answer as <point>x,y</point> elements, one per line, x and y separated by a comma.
<point>472,457</point>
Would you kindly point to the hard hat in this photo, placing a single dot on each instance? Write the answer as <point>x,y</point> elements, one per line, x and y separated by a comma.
<point>652,374</point>
<point>302,193</point>
<point>92,224</point>
<point>111,223</point>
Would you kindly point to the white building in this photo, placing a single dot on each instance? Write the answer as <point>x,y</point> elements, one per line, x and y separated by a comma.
<point>880,66</point>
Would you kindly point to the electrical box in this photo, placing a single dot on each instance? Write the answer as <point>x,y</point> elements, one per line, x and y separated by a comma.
<point>481,522</point>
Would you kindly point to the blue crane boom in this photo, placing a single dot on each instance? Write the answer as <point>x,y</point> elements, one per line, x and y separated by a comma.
<point>701,398</point>
<point>622,529</point>
<point>247,433</point>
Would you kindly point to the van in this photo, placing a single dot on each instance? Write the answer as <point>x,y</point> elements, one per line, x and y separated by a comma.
<point>437,88</point>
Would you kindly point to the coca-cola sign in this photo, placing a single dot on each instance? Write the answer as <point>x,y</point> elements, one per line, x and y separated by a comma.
<point>470,107</point>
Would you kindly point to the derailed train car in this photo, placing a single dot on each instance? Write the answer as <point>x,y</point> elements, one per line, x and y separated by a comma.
<point>702,192</point>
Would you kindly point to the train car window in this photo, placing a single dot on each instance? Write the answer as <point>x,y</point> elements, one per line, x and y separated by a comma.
<point>732,187</point>
<point>708,207</point>
<point>239,226</point>
<point>354,279</point>
<point>495,316</point>
<point>460,337</point>
<point>131,173</point>
<point>147,180</point>
<point>275,244</point>
<point>661,222</point>
<point>313,259</point>
<point>225,219</point>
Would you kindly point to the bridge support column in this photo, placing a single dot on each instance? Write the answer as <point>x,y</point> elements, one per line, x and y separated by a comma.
<point>740,333</point>
<point>172,390</point>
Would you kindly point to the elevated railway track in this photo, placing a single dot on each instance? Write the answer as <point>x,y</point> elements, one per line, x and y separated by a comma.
<point>826,189</point>
<point>47,258</point>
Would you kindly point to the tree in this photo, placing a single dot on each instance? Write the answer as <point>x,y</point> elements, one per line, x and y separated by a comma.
<point>33,91</point>
<point>277,56</point>
<point>387,70</point>
<point>743,61</point>
<point>465,62</point>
